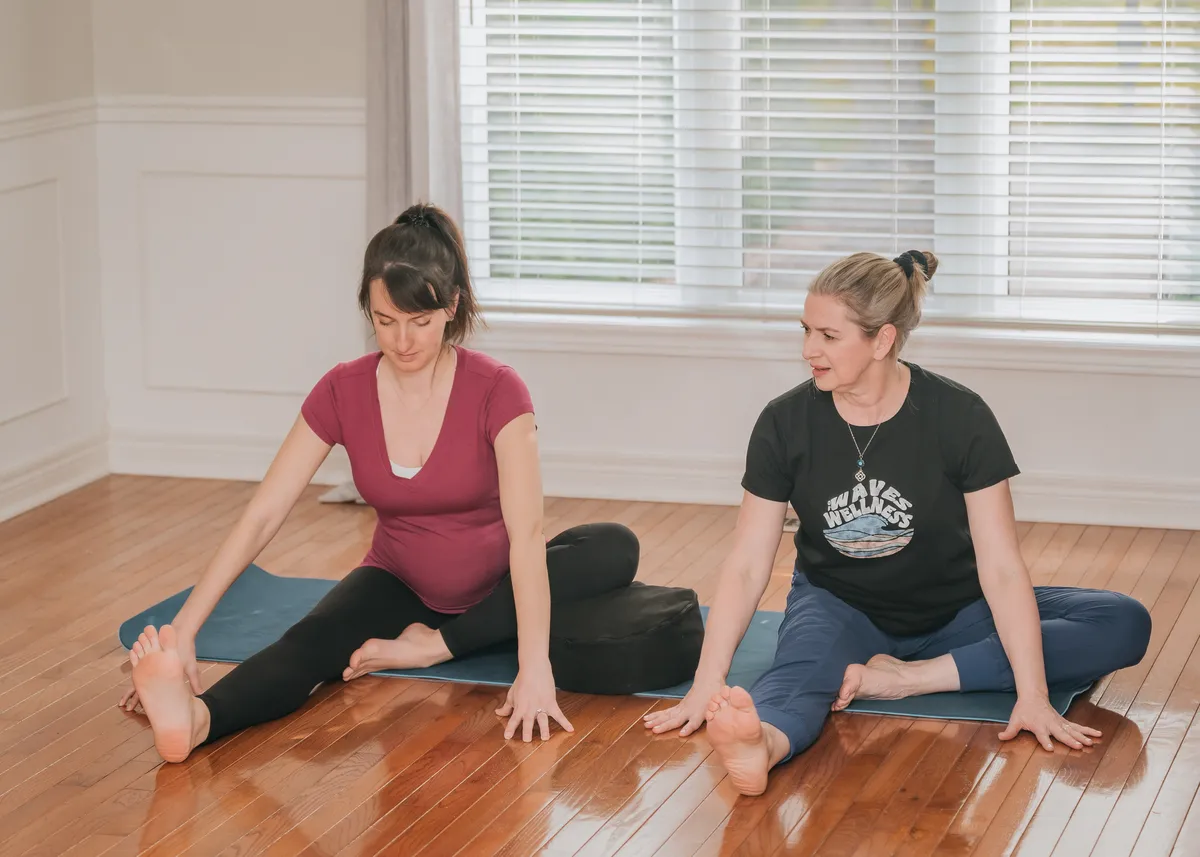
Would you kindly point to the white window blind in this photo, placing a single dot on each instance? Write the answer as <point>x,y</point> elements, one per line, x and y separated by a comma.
<point>710,156</point>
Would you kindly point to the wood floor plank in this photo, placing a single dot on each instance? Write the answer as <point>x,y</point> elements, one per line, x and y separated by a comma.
<point>389,766</point>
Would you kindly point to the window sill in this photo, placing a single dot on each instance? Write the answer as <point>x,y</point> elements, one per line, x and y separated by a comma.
<point>941,344</point>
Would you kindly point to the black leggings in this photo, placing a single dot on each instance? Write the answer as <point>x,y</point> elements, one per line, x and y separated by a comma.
<point>370,603</point>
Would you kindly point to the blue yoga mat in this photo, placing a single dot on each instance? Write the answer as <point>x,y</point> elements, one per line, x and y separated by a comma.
<point>260,606</point>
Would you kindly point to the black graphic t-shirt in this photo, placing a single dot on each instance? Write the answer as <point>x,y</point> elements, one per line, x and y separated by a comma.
<point>895,545</point>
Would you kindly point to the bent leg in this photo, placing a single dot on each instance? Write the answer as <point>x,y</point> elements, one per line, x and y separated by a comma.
<point>819,637</point>
<point>1086,634</point>
<point>581,562</point>
<point>369,602</point>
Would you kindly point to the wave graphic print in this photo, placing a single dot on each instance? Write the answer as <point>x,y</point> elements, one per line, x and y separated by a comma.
<point>867,537</point>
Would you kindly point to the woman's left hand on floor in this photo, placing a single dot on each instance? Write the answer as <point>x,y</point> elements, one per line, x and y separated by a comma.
<point>532,700</point>
<point>1039,717</point>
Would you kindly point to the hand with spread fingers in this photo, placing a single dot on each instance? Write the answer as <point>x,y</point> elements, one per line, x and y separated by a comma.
<point>1039,717</point>
<point>532,701</point>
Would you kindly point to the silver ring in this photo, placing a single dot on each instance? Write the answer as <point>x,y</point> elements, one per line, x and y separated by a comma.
<point>540,711</point>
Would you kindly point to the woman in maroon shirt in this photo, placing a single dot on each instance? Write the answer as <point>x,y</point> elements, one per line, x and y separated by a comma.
<point>442,443</point>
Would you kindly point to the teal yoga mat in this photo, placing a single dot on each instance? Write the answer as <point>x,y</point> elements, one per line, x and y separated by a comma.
<point>260,606</point>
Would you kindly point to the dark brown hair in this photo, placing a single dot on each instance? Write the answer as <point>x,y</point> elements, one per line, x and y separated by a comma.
<point>423,264</point>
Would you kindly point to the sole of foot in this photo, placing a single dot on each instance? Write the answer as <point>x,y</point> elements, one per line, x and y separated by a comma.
<point>164,692</point>
<point>736,734</point>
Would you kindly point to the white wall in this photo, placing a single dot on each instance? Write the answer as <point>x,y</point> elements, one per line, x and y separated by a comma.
<point>181,223</point>
<point>1099,426</point>
<point>232,149</point>
<point>220,236</point>
<point>231,252</point>
<point>231,48</point>
<point>45,52</point>
<point>52,413</point>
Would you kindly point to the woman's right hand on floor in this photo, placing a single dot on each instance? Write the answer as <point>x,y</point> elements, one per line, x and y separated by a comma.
<point>688,715</point>
<point>187,653</point>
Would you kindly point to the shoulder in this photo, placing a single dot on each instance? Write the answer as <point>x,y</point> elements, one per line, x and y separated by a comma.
<point>482,368</point>
<point>783,421</point>
<point>352,370</point>
<point>489,376</point>
<point>791,407</point>
<point>951,396</point>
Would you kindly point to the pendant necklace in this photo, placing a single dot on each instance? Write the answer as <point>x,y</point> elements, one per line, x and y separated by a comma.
<point>860,476</point>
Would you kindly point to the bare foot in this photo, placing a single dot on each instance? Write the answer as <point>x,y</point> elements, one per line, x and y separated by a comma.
<point>882,677</point>
<point>737,736</point>
<point>417,647</point>
<point>165,694</point>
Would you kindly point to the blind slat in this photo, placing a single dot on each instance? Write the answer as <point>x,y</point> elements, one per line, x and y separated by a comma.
<point>715,155</point>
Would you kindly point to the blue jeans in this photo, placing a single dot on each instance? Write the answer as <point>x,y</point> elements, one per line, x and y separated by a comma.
<point>1086,634</point>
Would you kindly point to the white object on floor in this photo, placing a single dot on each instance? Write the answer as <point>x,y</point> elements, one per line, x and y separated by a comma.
<point>344,493</point>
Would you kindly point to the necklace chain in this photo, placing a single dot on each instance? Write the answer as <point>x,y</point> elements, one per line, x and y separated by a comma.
<point>859,474</point>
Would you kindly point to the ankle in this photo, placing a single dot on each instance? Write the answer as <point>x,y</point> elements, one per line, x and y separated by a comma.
<point>777,744</point>
<point>938,675</point>
<point>438,647</point>
<point>201,722</point>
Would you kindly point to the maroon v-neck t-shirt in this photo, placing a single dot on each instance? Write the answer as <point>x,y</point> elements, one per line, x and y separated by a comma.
<point>440,531</point>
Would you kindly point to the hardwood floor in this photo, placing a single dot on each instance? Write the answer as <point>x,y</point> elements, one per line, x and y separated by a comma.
<point>389,766</point>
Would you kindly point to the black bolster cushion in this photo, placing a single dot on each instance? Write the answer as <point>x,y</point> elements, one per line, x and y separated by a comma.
<point>635,639</point>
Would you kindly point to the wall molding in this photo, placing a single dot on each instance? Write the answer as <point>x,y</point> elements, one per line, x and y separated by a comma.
<point>44,118</point>
<point>947,346</point>
<point>33,484</point>
<point>716,480</point>
<point>226,110</point>
<point>174,110</point>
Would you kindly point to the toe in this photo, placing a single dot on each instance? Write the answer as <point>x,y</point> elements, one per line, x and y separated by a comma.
<point>151,636</point>
<point>167,637</point>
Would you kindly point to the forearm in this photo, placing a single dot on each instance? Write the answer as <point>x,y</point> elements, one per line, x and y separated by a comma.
<point>736,599</point>
<point>1014,609</point>
<point>531,591</point>
<point>250,535</point>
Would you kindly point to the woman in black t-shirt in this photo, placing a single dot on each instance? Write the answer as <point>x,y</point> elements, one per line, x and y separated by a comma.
<point>909,577</point>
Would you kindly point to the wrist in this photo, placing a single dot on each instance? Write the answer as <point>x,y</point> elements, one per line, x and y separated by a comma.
<point>185,627</point>
<point>1033,694</point>
<point>533,660</point>
<point>709,675</point>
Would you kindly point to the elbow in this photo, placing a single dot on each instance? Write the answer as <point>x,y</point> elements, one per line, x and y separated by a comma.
<point>263,520</point>
<point>527,535</point>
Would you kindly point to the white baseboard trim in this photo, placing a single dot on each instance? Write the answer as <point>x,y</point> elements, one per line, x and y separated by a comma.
<point>1040,497</point>
<point>32,485</point>
<point>1066,499</point>
<point>671,478</point>
<point>244,458</point>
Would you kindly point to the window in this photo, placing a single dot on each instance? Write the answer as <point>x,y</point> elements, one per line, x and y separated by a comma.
<point>710,156</point>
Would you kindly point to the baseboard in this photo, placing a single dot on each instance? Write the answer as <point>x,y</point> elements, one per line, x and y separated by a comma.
<point>32,485</point>
<point>716,480</point>
<point>650,477</point>
<point>1069,499</point>
<point>238,457</point>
